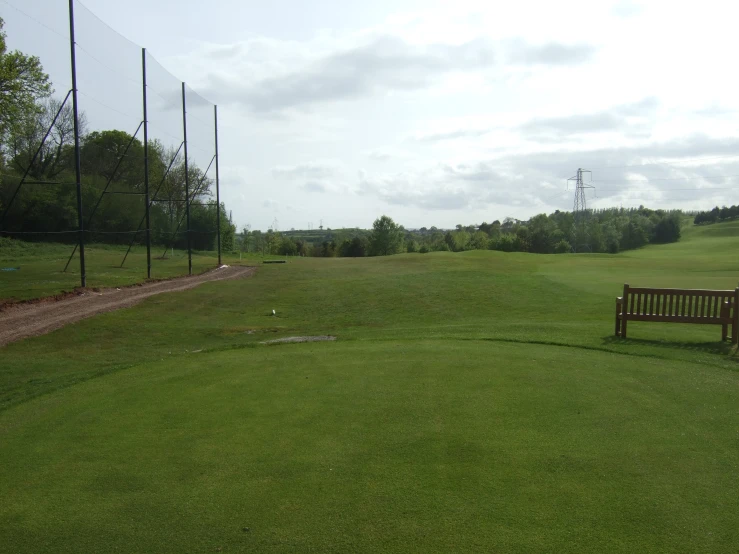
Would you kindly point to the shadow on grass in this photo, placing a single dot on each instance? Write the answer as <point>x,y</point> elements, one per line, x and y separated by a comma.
<point>721,348</point>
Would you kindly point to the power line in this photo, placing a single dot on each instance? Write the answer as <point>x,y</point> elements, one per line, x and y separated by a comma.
<point>681,160</point>
<point>672,189</point>
<point>713,178</point>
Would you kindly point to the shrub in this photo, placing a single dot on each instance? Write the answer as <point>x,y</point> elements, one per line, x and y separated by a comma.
<point>562,247</point>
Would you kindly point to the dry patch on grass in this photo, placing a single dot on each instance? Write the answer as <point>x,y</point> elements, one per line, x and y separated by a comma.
<point>319,338</point>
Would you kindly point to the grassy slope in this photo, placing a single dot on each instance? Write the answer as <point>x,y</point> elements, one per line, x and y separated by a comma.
<point>431,426</point>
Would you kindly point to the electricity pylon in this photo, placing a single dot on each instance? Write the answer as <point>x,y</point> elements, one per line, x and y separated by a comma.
<point>580,239</point>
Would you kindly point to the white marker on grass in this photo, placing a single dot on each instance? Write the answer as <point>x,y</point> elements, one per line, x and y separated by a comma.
<point>273,312</point>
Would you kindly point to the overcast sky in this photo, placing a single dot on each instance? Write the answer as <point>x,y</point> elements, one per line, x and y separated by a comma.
<point>435,113</point>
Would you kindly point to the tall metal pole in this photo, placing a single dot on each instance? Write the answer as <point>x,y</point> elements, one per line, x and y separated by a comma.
<point>218,189</point>
<point>146,166</point>
<point>77,164</point>
<point>187,181</point>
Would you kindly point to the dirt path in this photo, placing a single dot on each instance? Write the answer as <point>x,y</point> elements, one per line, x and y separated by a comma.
<point>37,318</point>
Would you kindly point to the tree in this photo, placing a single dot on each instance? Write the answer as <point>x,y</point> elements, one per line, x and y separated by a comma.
<point>386,237</point>
<point>272,240</point>
<point>507,243</point>
<point>354,248</point>
<point>327,249</point>
<point>56,153</point>
<point>635,233</point>
<point>611,238</point>
<point>228,231</point>
<point>562,247</point>
<point>457,241</point>
<point>523,238</point>
<point>258,237</point>
<point>171,195</point>
<point>245,238</point>
<point>22,84</point>
<point>542,234</point>
<point>103,152</point>
<point>667,229</point>
<point>287,247</point>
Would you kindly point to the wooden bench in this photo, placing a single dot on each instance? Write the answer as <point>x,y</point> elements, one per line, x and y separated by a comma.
<point>713,307</point>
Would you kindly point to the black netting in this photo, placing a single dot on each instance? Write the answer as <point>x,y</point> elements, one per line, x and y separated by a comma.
<point>38,177</point>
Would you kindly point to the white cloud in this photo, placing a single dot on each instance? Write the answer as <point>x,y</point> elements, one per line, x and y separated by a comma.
<point>266,76</point>
<point>627,8</point>
<point>314,170</point>
<point>466,110</point>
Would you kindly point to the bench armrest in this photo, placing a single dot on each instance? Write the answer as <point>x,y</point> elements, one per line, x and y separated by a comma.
<point>619,301</point>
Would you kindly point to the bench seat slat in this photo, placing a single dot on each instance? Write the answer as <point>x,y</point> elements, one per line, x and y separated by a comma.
<point>682,292</point>
<point>678,319</point>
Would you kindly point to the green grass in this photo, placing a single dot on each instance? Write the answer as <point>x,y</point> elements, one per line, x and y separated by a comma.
<point>473,402</point>
<point>41,267</point>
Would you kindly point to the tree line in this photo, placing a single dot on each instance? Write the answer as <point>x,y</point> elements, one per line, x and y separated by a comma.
<point>717,214</point>
<point>45,207</point>
<point>608,231</point>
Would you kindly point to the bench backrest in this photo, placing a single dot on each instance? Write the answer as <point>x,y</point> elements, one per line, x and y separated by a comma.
<point>682,304</point>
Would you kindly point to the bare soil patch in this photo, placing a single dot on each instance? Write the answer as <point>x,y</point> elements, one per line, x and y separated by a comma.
<point>319,338</point>
<point>18,321</point>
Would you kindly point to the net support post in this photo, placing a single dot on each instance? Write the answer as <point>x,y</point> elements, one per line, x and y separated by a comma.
<point>218,187</point>
<point>146,165</point>
<point>187,181</point>
<point>77,162</point>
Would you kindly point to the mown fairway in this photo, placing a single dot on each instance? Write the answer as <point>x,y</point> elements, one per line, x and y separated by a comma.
<point>473,402</point>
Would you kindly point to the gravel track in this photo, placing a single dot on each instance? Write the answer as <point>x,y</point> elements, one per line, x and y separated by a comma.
<point>30,319</point>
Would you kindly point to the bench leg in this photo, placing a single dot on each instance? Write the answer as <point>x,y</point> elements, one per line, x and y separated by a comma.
<point>624,301</point>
